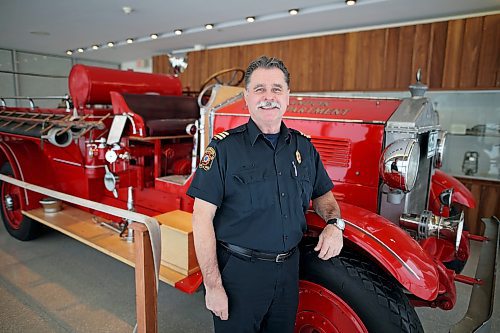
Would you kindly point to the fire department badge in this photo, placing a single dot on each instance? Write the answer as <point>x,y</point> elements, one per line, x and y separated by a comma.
<point>207,159</point>
<point>298,157</point>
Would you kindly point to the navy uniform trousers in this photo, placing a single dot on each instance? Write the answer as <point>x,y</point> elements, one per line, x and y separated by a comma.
<point>263,295</point>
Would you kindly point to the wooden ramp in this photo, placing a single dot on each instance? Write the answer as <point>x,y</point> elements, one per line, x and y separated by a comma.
<point>79,225</point>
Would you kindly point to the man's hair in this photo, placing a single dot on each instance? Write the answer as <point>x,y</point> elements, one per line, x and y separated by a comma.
<point>266,63</point>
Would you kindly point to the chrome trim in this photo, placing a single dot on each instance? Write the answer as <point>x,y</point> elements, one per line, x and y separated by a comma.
<point>67,162</point>
<point>391,251</point>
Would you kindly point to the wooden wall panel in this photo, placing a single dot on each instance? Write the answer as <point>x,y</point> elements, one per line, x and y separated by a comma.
<point>487,196</point>
<point>456,54</point>
<point>453,55</point>
<point>405,55</point>
<point>439,31</point>
<point>489,58</point>
<point>390,58</point>
<point>421,52</point>
<point>470,58</point>
<point>375,55</point>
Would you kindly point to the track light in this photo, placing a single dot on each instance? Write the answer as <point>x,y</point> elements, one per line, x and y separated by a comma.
<point>69,52</point>
<point>178,32</point>
<point>95,47</point>
<point>209,26</point>
<point>80,50</point>
<point>350,2</point>
<point>154,36</point>
<point>293,11</point>
<point>111,44</point>
<point>250,19</point>
<point>130,40</point>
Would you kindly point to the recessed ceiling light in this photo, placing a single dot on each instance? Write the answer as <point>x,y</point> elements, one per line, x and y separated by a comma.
<point>250,19</point>
<point>80,50</point>
<point>209,26</point>
<point>111,44</point>
<point>130,40</point>
<point>95,47</point>
<point>69,52</point>
<point>178,32</point>
<point>127,9</point>
<point>293,11</point>
<point>154,36</point>
<point>350,2</point>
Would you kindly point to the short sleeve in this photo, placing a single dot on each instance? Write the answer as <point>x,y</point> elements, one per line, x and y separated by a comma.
<point>322,182</point>
<point>208,181</point>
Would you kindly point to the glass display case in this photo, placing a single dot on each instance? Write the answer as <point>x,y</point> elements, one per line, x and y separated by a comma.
<point>472,119</point>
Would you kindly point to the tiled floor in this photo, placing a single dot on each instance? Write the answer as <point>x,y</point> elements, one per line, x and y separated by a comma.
<point>56,284</point>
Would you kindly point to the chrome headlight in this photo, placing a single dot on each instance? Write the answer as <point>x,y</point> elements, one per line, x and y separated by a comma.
<point>399,164</point>
<point>438,160</point>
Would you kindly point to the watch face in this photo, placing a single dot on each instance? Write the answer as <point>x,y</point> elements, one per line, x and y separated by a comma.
<point>340,223</point>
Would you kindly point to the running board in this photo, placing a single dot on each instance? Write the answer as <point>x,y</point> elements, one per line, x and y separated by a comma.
<point>79,224</point>
<point>478,315</point>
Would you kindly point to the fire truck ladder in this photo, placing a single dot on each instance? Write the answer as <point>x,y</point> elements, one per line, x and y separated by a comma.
<point>58,128</point>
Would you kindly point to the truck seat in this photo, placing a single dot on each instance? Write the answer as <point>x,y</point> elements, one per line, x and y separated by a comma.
<point>164,115</point>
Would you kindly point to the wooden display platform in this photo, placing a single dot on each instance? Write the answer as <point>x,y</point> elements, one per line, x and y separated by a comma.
<point>79,225</point>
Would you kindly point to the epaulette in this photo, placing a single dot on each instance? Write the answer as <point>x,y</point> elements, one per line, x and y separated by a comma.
<point>221,135</point>
<point>308,137</point>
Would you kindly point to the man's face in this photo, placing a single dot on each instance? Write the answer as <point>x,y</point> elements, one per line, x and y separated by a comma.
<point>267,96</point>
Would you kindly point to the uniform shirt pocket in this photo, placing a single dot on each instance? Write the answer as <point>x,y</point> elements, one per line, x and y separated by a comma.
<point>259,187</point>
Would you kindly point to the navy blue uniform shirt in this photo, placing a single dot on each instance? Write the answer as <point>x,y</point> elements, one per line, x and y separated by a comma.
<point>261,192</point>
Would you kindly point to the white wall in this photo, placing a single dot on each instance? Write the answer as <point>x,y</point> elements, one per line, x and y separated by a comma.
<point>139,65</point>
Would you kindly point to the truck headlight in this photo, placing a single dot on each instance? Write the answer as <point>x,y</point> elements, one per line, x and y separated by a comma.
<point>399,164</point>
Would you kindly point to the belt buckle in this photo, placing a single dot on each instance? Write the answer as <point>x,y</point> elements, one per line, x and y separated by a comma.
<point>281,257</point>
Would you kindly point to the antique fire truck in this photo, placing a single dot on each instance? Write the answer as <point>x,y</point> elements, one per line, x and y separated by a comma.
<point>133,140</point>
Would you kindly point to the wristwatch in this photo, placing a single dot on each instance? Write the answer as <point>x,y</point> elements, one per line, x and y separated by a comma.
<point>338,222</point>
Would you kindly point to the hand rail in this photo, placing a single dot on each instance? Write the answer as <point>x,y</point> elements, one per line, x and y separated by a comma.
<point>150,223</point>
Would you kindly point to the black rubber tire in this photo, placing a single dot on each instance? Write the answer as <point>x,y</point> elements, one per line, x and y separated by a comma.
<point>29,228</point>
<point>375,298</point>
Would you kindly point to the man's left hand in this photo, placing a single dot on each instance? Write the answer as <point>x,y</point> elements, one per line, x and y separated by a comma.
<point>330,242</point>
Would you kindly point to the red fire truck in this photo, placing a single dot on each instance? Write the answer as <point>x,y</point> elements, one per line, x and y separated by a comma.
<point>133,140</point>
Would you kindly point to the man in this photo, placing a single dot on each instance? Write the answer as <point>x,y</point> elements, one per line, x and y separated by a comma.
<point>252,188</point>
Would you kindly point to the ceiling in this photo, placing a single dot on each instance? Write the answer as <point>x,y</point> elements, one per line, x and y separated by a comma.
<point>55,26</point>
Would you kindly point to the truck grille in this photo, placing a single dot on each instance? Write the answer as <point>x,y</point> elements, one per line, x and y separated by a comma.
<point>335,152</point>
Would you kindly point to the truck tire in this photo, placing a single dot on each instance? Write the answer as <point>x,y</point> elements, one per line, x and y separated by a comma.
<point>348,293</point>
<point>18,225</point>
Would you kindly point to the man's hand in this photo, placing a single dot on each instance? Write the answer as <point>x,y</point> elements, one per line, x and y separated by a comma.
<point>330,242</point>
<point>216,301</point>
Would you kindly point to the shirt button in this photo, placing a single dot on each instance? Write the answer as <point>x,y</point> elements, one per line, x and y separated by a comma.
<point>285,216</point>
<point>282,194</point>
<point>279,173</point>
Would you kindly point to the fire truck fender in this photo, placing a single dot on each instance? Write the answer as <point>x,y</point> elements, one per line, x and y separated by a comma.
<point>28,164</point>
<point>442,181</point>
<point>390,247</point>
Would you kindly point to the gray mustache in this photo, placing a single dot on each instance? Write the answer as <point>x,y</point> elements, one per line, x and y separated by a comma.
<point>269,104</point>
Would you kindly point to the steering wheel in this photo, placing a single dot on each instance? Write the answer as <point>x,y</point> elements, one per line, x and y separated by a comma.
<point>236,76</point>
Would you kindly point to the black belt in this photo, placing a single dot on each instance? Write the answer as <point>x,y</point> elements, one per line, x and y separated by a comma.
<point>248,253</point>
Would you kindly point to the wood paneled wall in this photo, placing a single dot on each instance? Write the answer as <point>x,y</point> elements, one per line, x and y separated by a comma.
<point>457,54</point>
<point>487,195</point>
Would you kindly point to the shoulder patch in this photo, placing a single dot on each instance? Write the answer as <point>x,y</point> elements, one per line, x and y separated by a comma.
<point>308,137</point>
<point>207,159</point>
<point>221,135</point>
